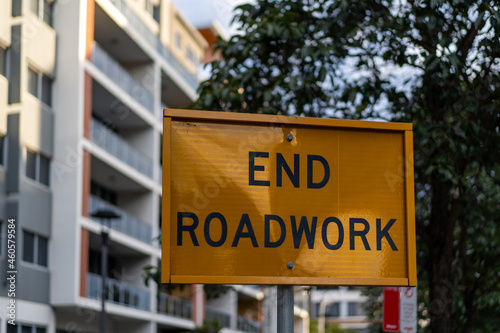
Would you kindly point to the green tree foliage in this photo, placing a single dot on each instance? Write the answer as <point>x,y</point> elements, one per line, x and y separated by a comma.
<point>434,63</point>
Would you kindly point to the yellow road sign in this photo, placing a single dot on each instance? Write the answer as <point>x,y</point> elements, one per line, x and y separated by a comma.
<point>261,199</point>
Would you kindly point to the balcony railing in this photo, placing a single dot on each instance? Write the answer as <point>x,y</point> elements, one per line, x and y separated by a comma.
<point>118,292</point>
<point>175,306</point>
<point>127,224</point>
<point>223,318</point>
<point>119,148</point>
<point>155,42</point>
<point>135,21</point>
<point>248,325</point>
<point>191,79</point>
<point>116,73</point>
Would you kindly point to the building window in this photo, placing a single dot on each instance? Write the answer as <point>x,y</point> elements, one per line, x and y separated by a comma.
<point>331,309</point>
<point>38,167</point>
<point>355,309</point>
<point>178,40</point>
<point>35,249</point>
<point>32,82</point>
<point>48,9</point>
<point>3,61</point>
<point>43,9</point>
<point>31,164</point>
<point>2,149</point>
<point>46,93</point>
<point>25,328</point>
<point>156,13</point>
<point>40,86</point>
<point>44,173</point>
<point>192,56</point>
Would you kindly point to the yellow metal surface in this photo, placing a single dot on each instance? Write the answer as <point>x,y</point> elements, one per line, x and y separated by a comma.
<point>242,204</point>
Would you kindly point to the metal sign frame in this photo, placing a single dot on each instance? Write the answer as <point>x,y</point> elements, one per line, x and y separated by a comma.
<point>173,115</point>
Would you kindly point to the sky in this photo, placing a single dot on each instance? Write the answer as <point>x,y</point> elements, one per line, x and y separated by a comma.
<point>203,12</point>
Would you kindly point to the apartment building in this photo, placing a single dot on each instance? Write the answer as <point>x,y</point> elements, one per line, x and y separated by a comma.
<point>343,306</point>
<point>82,88</point>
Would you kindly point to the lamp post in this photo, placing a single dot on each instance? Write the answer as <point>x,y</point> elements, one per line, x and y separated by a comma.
<point>104,215</point>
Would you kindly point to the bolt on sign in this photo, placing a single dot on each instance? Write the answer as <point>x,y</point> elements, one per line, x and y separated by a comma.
<point>262,199</point>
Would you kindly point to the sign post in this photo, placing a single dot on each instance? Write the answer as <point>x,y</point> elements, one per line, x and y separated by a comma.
<point>285,309</point>
<point>261,199</point>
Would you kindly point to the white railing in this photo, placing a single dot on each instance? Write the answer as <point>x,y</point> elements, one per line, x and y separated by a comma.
<point>174,306</point>
<point>119,148</point>
<point>116,73</point>
<point>190,78</point>
<point>118,292</point>
<point>127,223</point>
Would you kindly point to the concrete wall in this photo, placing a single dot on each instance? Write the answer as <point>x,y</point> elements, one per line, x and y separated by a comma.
<point>5,17</point>
<point>40,43</point>
<point>33,283</point>
<point>35,207</point>
<point>37,126</point>
<point>66,176</point>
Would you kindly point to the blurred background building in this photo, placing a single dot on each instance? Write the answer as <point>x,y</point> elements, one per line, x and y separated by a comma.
<point>82,89</point>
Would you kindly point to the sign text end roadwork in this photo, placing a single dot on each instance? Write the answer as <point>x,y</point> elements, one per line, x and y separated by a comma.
<point>259,199</point>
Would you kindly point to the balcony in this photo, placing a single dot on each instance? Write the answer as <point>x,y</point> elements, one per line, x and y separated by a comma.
<point>174,306</point>
<point>116,73</point>
<point>127,224</point>
<point>118,292</point>
<point>119,148</point>
<point>248,325</point>
<point>223,318</point>
<point>154,41</point>
<point>135,21</point>
<point>191,79</point>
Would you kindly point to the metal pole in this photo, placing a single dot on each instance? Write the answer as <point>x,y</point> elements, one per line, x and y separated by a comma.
<point>285,309</point>
<point>104,272</point>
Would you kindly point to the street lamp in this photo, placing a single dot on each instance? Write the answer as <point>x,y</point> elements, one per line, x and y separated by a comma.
<point>104,215</point>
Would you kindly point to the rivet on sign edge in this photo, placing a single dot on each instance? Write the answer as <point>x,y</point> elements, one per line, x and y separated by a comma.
<point>290,265</point>
<point>289,137</point>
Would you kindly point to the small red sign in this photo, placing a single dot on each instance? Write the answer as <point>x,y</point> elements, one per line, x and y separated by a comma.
<point>391,309</point>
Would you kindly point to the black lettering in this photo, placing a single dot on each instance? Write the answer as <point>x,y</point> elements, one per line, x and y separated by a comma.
<point>326,167</point>
<point>252,168</point>
<point>360,233</point>
<point>303,229</point>
<point>189,228</point>
<point>324,233</point>
<point>267,231</point>
<point>245,221</point>
<point>206,229</point>
<point>281,164</point>
<point>385,233</point>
